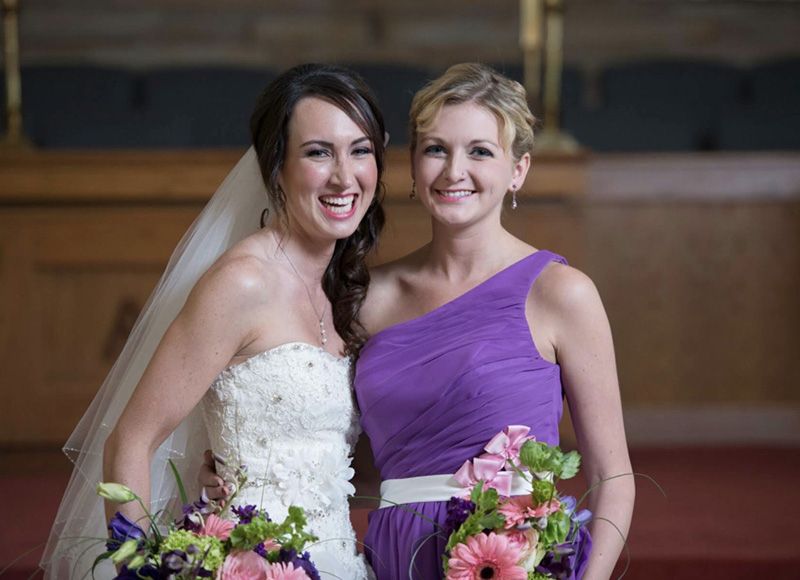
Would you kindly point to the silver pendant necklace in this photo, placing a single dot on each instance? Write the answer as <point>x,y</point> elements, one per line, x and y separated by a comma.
<point>323,338</point>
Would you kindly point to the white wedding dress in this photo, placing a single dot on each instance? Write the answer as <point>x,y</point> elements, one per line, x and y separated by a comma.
<point>289,415</point>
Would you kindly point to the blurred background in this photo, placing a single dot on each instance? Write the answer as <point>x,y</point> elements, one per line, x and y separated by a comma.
<point>669,171</point>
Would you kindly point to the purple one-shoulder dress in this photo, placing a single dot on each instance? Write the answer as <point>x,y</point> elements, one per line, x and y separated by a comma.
<point>435,389</point>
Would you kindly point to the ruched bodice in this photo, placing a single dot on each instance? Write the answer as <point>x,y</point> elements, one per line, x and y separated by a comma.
<point>289,415</point>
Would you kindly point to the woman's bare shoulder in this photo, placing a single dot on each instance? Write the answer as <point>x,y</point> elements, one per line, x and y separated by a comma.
<point>567,297</point>
<point>245,275</point>
<point>392,274</point>
<point>386,284</point>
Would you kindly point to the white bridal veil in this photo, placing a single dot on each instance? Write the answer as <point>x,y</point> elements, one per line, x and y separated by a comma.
<point>232,214</point>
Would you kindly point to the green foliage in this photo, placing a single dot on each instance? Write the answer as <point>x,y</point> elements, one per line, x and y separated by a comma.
<point>493,520</point>
<point>292,527</point>
<point>211,548</point>
<point>557,529</point>
<point>488,499</point>
<point>469,528</point>
<point>543,490</point>
<point>477,491</point>
<point>542,458</point>
<point>179,481</point>
<point>531,455</point>
<point>248,536</point>
<point>289,534</point>
<point>570,465</point>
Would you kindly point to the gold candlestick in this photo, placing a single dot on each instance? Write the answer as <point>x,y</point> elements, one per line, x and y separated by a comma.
<point>14,136</point>
<point>552,138</point>
<point>531,38</point>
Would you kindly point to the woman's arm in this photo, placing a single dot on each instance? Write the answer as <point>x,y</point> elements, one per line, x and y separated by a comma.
<point>585,351</point>
<point>208,332</point>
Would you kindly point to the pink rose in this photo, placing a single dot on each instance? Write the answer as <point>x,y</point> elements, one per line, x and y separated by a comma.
<point>217,527</point>
<point>526,542</point>
<point>241,565</point>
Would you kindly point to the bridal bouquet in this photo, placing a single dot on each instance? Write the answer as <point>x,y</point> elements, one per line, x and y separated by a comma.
<point>534,536</point>
<point>202,545</point>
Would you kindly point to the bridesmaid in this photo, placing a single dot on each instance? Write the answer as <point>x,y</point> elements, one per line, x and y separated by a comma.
<point>478,330</point>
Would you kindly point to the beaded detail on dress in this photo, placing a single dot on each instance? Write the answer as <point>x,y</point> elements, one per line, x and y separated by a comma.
<point>289,415</point>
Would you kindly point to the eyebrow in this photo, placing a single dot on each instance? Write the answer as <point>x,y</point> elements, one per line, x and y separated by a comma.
<point>329,144</point>
<point>473,142</point>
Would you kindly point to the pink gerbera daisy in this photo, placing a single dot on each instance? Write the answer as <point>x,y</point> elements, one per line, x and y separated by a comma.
<point>243,565</point>
<point>485,557</point>
<point>518,509</point>
<point>283,571</point>
<point>218,528</point>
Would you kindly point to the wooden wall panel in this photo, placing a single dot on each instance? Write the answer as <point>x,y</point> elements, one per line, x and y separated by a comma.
<point>702,297</point>
<point>73,281</point>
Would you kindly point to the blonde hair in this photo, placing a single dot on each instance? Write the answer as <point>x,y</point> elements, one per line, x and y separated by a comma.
<point>475,82</point>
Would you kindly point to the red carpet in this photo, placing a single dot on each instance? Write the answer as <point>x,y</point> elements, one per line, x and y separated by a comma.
<point>730,514</point>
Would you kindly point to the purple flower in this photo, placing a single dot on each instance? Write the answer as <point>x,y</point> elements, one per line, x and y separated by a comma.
<point>193,514</point>
<point>247,513</point>
<point>143,572</point>
<point>569,559</point>
<point>303,562</point>
<point>173,563</point>
<point>260,550</point>
<point>121,530</point>
<point>458,510</point>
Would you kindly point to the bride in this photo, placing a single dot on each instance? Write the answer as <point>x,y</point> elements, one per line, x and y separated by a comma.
<point>257,345</point>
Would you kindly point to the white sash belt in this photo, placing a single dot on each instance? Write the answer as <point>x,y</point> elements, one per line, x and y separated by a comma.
<point>433,488</point>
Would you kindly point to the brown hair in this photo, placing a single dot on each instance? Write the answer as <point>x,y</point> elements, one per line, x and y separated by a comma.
<point>470,81</point>
<point>346,278</point>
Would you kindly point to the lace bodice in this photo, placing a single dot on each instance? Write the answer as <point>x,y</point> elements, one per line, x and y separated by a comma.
<point>289,415</point>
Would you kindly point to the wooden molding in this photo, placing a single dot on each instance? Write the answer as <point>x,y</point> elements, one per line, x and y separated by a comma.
<point>40,177</point>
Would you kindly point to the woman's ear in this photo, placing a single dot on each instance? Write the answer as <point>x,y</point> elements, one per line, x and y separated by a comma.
<point>521,168</point>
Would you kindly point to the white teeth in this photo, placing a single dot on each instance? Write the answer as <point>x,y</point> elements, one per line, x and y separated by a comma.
<point>459,193</point>
<point>336,204</point>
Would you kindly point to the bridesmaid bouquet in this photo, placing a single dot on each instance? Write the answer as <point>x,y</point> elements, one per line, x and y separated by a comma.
<point>535,536</point>
<point>202,545</point>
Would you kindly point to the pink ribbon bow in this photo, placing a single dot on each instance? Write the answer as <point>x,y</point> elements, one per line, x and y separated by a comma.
<point>486,469</point>
<point>505,446</point>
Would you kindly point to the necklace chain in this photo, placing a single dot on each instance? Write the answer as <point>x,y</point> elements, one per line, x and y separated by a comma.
<point>323,338</point>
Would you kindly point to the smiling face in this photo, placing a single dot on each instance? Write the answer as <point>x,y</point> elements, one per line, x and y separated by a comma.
<point>329,174</point>
<point>461,170</point>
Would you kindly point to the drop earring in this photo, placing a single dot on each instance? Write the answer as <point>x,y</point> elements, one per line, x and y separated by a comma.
<point>413,193</point>
<point>513,197</point>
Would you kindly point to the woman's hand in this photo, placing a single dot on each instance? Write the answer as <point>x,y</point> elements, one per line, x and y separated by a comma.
<point>213,485</point>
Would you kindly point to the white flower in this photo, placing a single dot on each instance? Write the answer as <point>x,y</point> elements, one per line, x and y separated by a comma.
<point>313,479</point>
<point>335,474</point>
<point>293,473</point>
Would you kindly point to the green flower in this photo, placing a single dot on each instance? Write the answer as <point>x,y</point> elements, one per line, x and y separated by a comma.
<point>115,492</point>
<point>136,562</point>
<point>125,551</point>
<point>210,548</point>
